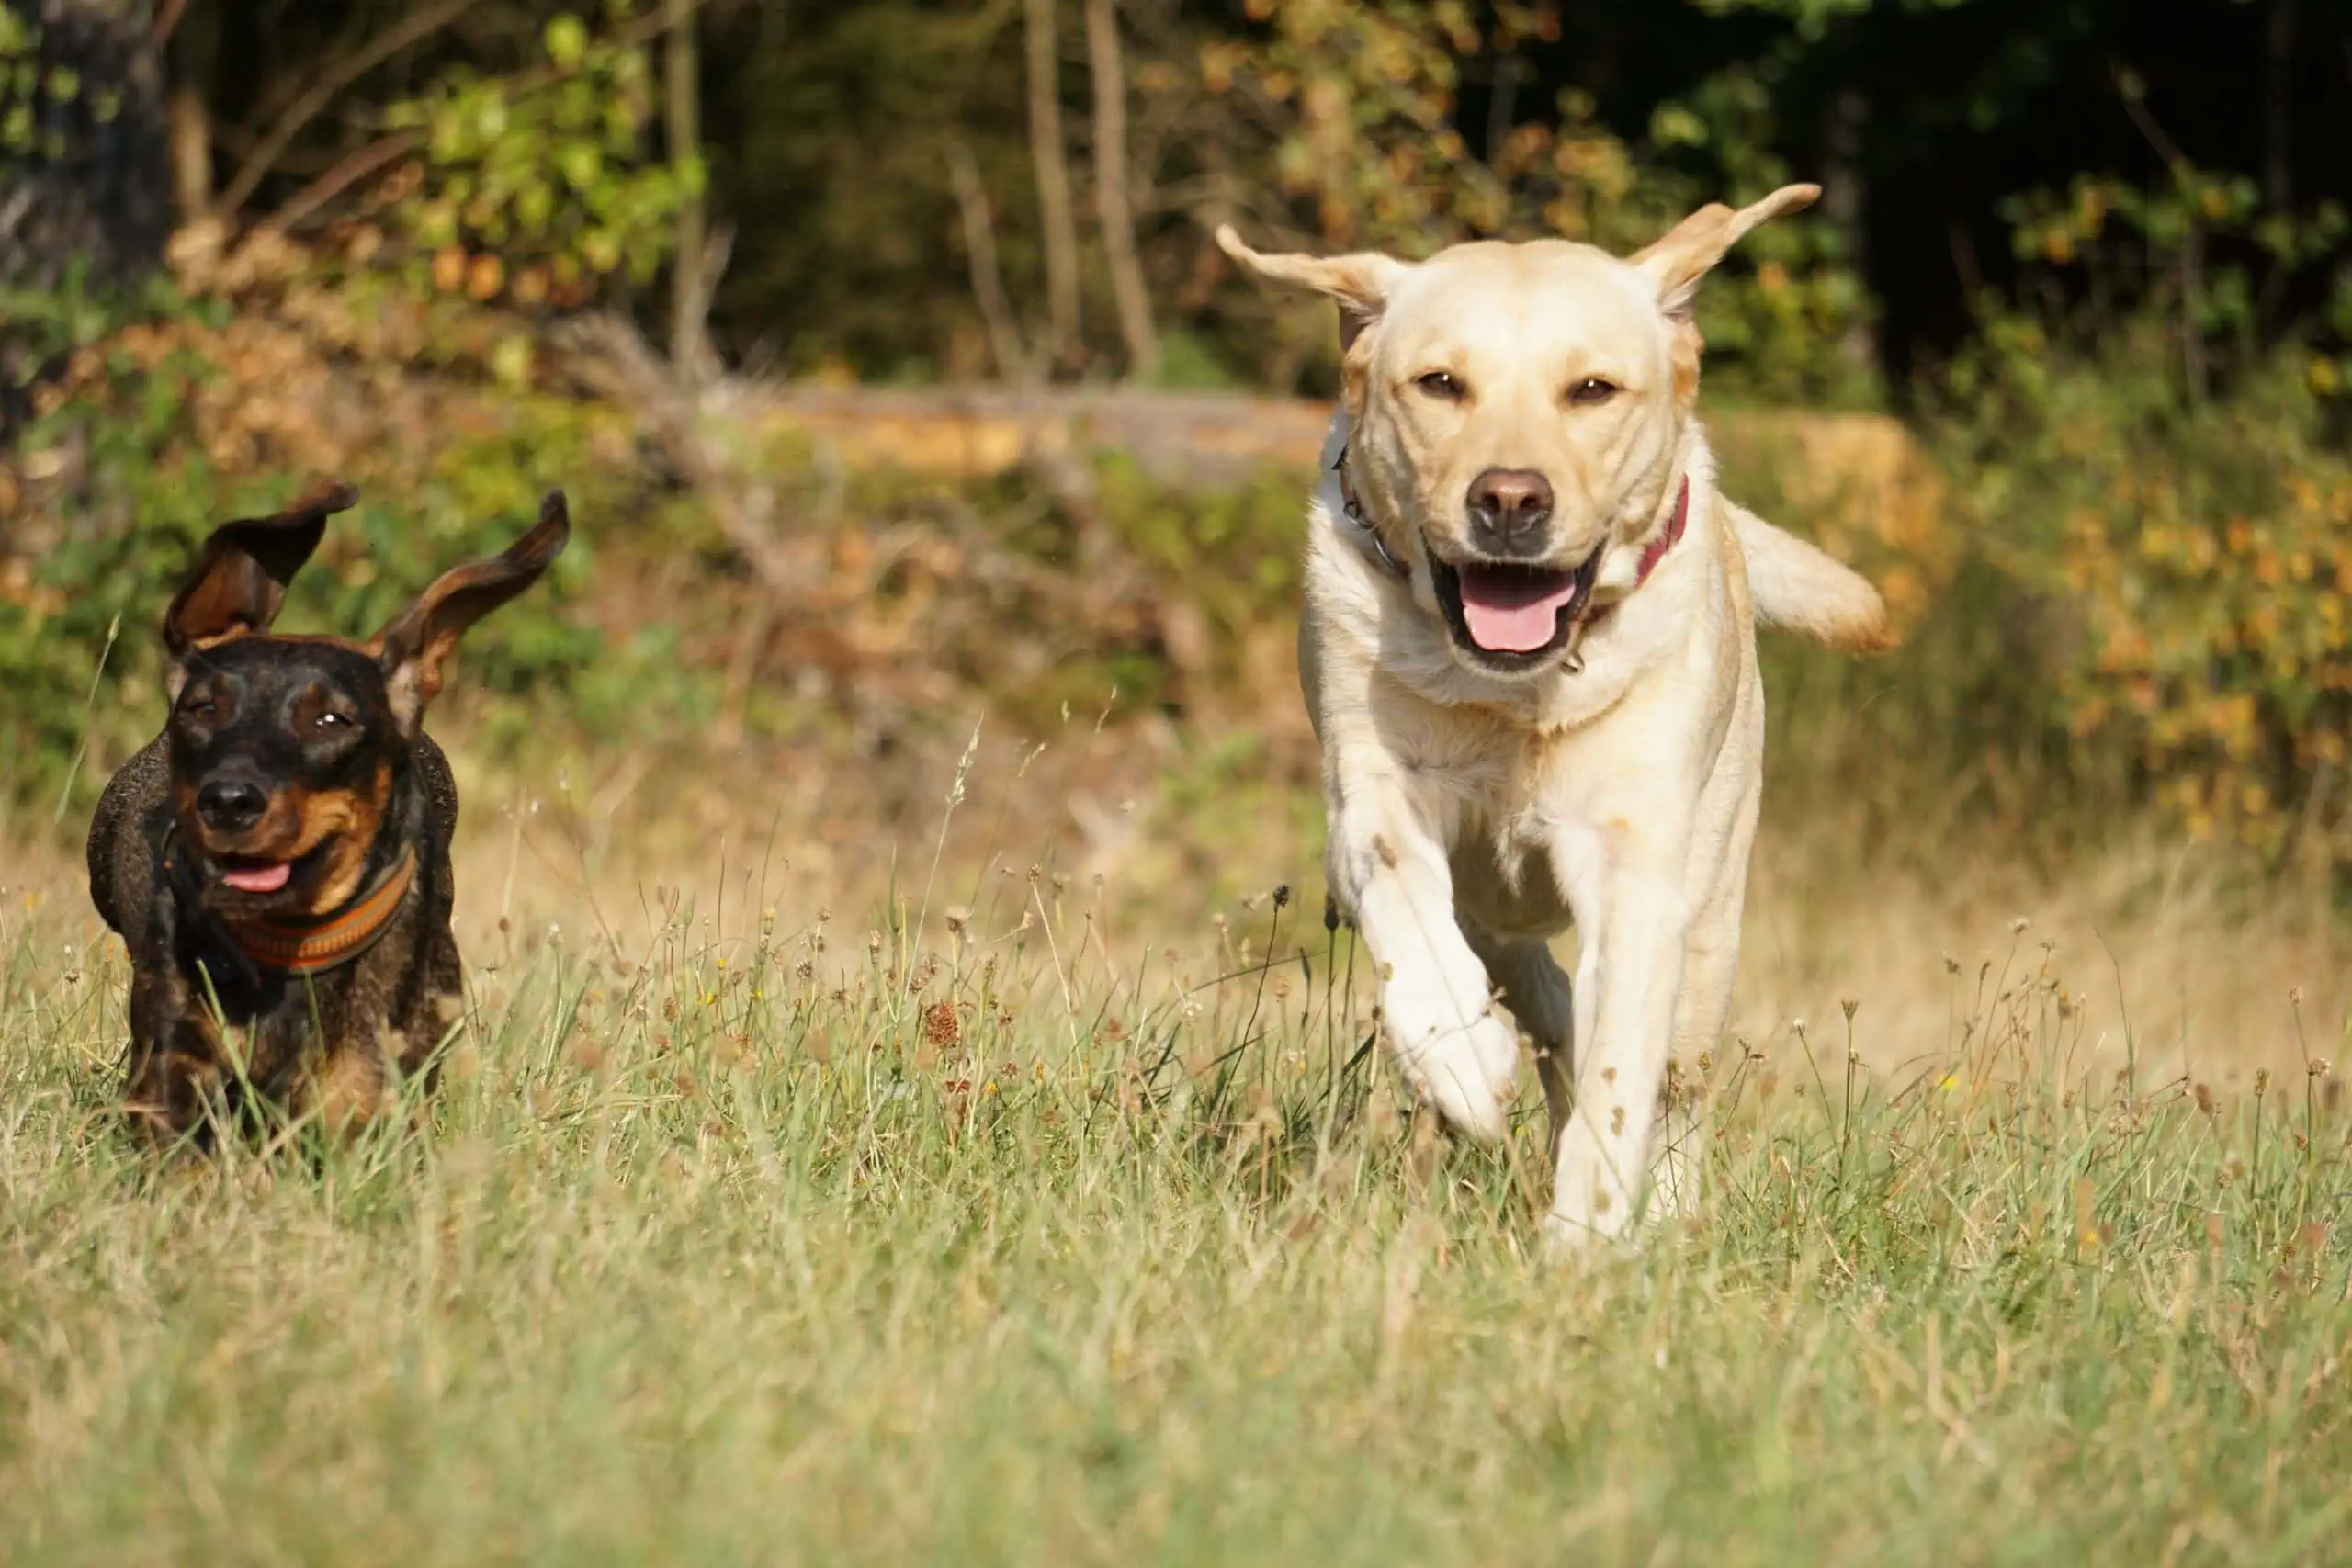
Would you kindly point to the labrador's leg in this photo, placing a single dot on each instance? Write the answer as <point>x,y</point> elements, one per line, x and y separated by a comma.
<point>1721,849</point>
<point>1387,864</point>
<point>1541,1000</point>
<point>1628,894</point>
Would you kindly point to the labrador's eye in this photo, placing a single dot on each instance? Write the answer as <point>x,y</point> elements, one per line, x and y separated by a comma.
<point>1590,391</point>
<point>1442,384</point>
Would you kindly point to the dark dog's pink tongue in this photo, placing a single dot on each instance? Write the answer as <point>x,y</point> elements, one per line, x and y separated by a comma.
<point>256,878</point>
<point>1511,610</point>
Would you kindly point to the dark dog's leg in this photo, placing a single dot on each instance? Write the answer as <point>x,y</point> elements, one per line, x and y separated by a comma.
<point>350,1087</point>
<point>173,1082</point>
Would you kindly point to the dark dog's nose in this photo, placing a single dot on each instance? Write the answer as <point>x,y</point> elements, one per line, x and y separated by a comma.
<point>1508,510</point>
<point>230,805</point>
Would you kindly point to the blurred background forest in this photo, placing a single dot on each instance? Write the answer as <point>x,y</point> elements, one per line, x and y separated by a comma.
<point>885,352</point>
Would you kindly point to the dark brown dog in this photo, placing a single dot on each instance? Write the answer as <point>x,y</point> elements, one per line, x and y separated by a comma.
<point>278,860</point>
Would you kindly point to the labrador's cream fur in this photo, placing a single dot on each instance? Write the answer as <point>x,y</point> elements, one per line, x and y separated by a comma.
<point>1476,813</point>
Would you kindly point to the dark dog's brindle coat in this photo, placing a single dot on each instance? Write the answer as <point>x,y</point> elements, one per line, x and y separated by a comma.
<point>278,858</point>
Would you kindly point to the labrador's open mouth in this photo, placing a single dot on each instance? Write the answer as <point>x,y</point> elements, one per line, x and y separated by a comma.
<point>1512,616</point>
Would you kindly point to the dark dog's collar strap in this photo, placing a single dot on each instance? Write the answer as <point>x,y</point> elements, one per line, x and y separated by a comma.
<point>309,947</point>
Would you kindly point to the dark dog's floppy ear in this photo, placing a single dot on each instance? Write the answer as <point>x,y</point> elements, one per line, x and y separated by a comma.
<point>238,583</point>
<point>413,647</point>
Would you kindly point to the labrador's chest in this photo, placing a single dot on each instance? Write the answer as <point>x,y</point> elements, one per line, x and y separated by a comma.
<point>1537,820</point>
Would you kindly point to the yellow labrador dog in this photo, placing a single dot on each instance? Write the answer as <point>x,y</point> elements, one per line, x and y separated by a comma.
<point>1529,650</point>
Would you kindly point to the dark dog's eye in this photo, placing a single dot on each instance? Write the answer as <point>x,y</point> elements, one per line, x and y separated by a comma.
<point>332,720</point>
<point>1592,389</point>
<point>1442,384</point>
<point>202,707</point>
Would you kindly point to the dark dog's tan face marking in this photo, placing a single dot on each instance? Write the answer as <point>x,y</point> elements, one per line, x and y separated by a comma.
<point>283,756</point>
<point>284,750</point>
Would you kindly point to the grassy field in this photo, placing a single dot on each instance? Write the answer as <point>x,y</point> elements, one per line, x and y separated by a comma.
<point>893,1236</point>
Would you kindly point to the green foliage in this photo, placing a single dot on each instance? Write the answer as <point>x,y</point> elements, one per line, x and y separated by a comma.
<point>2200,248</point>
<point>1371,150</point>
<point>77,633</point>
<point>2197,553</point>
<point>59,627</point>
<point>539,184</point>
<point>24,86</point>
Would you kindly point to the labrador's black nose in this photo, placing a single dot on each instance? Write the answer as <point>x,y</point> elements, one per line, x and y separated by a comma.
<point>1508,510</point>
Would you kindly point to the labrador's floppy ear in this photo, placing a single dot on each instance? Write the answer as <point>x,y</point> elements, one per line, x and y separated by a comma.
<point>1359,283</point>
<point>238,583</point>
<point>1689,251</point>
<point>413,647</point>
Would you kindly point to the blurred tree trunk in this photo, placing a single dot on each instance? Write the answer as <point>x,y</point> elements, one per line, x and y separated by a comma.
<point>195,47</point>
<point>2278,106</point>
<point>1111,203</point>
<point>1049,151</point>
<point>690,280</point>
<point>1845,197</point>
<point>85,153</point>
<point>1012,360</point>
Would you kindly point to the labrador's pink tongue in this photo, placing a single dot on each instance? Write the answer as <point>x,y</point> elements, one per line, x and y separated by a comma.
<point>1513,612</point>
<point>257,878</point>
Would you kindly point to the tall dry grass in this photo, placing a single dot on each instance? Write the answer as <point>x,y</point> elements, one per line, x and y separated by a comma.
<point>905,1227</point>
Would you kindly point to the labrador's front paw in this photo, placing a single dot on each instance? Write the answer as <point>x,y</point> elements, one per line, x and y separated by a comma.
<point>1467,1074</point>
